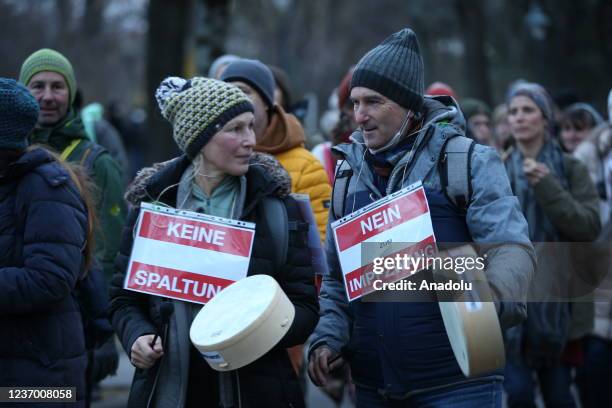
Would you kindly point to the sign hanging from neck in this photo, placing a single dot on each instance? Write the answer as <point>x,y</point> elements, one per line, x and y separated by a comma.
<point>186,255</point>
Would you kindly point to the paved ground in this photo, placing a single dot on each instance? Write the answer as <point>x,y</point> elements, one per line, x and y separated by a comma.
<point>115,390</point>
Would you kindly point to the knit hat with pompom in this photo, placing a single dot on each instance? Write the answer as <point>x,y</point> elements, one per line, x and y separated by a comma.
<point>198,108</point>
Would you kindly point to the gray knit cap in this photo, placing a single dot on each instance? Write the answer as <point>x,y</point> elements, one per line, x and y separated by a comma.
<point>256,74</point>
<point>394,69</point>
<point>537,94</point>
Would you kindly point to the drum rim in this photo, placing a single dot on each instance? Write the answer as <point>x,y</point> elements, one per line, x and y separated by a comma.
<point>251,327</point>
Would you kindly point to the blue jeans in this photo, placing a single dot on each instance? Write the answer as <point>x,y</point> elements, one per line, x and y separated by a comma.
<point>595,377</point>
<point>554,384</point>
<point>485,394</point>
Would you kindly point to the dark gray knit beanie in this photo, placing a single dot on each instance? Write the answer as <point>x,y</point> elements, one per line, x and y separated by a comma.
<point>394,69</point>
<point>256,74</point>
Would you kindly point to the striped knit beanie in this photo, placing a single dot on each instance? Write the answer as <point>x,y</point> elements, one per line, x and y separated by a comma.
<point>18,114</point>
<point>49,60</point>
<point>198,108</point>
<point>394,69</point>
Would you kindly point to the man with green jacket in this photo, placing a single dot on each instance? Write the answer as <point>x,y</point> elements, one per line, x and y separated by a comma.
<point>50,78</point>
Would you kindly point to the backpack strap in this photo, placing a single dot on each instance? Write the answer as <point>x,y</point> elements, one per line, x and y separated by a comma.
<point>275,215</point>
<point>69,149</point>
<point>89,156</point>
<point>341,184</point>
<point>454,168</point>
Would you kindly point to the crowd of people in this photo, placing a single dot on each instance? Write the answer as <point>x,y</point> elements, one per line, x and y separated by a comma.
<point>533,174</point>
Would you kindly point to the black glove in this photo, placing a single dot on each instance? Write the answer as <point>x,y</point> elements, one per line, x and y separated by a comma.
<point>105,361</point>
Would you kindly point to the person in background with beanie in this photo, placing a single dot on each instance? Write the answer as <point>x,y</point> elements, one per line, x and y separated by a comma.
<point>281,135</point>
<point>220,175</point>
<point>577,121</point>
<point>50,78</point>
<point>440,89</point>
<point>44,253</point>
<point>560,204</point>
<point>478,117</point>
<point>399,353</point>
<point>220,64</point>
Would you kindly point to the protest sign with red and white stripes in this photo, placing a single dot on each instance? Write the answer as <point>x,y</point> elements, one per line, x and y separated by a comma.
<point>402,217</point>
<point>186,255</point>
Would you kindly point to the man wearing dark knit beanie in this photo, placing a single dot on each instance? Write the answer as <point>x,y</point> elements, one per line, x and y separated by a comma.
<point>400,353</point>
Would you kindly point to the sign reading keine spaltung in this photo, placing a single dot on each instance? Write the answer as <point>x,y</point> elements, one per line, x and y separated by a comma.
<point>186,255</point>
<point>402,217</point>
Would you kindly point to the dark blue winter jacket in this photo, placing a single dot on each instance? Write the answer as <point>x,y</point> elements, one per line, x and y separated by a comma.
<point>43,225</point>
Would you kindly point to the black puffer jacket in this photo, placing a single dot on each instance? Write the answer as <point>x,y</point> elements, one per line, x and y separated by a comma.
<point>270,381</point>
<point>43,224</point>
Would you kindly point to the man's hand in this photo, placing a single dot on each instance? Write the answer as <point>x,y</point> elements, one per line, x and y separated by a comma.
<point>143,355</point>
<point>322,361</point>
<point>534,171</point>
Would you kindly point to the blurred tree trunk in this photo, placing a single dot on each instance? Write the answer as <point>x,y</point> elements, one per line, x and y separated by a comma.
<point>168,27</point>
<point>604,33</point>
<point>94,15</point>
<point>218,20</point>
<point>210,31</point>
<point>64,16</point>
<point>476,70</point>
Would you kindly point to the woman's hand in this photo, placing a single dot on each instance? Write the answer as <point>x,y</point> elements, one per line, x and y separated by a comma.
<point>143,355</point>
<point>534,171</point>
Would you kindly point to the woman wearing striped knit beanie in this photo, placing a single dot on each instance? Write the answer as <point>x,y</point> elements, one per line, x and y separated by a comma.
<point>220,175</point>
